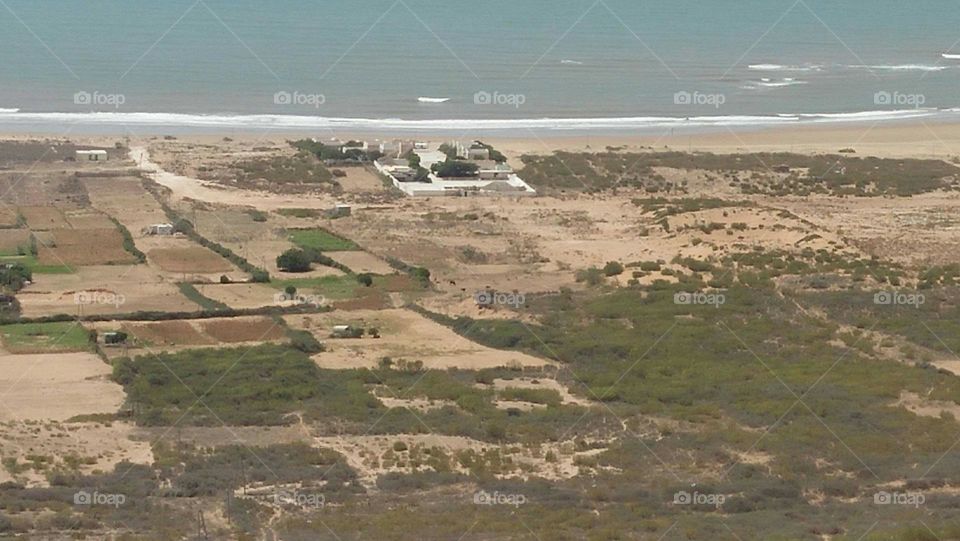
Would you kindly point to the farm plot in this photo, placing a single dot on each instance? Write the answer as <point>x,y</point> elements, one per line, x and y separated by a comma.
<point>56,386</point>
<point>54,337</point>
<point>102,289</point>
<point>44,218</point>
<point>13,239</point>
<point>8,216</point>
<point>358,261</point>
<point>84,247</point>
<point>189,259</point>
<point>321,239</point>
<point>125,199</point>
<point>233,330</point>
<point>165,333</point>
<point>404,334</point>
<point>88,219</point>
<point>240,295</point>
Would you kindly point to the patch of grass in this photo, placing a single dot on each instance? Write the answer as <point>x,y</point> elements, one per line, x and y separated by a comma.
<point>56,337</point>
<point>30,261</point>
<point>331,287</point>
<point>322,240</point>
<point>300,212</point>
<point>191,292</point>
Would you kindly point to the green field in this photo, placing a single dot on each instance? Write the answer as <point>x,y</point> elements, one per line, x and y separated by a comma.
<point>322,240</point>
<point>54,337</point>
<point>31,263</point>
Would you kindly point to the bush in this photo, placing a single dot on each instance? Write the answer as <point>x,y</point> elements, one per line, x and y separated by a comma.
<point>305,341</point>
<point>612,268</point>
<point>365,279</point>
<point>294,260</point>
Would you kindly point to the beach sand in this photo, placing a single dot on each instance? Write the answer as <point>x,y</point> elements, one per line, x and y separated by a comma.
<point>908,138</point>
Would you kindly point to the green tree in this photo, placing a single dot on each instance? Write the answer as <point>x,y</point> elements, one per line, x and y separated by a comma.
<point>294,260</point>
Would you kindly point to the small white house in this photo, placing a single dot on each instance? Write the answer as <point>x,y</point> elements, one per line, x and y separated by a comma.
<point>92,155</point>
<point>159,229</point>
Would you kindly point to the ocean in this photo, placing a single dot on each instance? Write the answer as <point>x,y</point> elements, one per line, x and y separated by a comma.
<point>491,65</point>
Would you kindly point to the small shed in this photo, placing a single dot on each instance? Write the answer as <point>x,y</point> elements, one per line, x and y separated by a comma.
<point>160,229</point>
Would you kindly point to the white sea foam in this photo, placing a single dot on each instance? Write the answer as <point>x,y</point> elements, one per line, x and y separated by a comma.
<point>313,123</point>
<point>425,99</point>
<point>2,110</point>
<point>900,67</point>
<point>951,56</point>
<point>780,67</point>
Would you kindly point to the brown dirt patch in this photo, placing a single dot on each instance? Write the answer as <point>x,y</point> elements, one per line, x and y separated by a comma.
<point>167,333</point>
<point>188,259</point>
<point>243,330</point>
<point>359,261</point>
<point>240,295</point>
<point>84,247</point>
<point>8,216</point>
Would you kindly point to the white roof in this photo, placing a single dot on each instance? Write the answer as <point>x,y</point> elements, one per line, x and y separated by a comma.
<point>97,152</point>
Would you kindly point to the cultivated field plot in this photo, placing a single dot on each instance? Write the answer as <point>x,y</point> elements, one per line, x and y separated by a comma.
<point>8,216</point>
<point>240,296</point>
<point>84,247</point>
<point>163,333</point>
<point>54,337</point>
<point>362,262</point>
<point>88,219</point>
<point>321,239</point>
<point>233,330</point>
<point>12,239</point>
<point>102,289</point>
<point>43,185</point>
<point>56,386</point>
<point>125,199</point>
<point>146,337</point>
<point>189,259</point>
<point>404,334</point>
<point>44,218</point>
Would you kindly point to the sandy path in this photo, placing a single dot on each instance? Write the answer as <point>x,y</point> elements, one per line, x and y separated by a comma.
<point>191,188</point>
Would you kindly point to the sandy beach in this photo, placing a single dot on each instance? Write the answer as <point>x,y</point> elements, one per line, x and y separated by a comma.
<point>907,138</point>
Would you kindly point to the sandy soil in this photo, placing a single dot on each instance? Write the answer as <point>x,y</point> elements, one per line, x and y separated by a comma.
<point>92,446</point>
<point>78,381</point>
<point>404,335</point>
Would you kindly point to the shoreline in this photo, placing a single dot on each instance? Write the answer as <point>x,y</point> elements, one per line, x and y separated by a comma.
<point>918,138</point>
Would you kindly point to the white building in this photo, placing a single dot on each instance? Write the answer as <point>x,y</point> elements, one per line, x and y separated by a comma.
<point>92,155</point>
<point>159,229</point>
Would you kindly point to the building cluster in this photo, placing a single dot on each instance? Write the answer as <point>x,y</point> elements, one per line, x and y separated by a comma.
<point>411,169</point>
